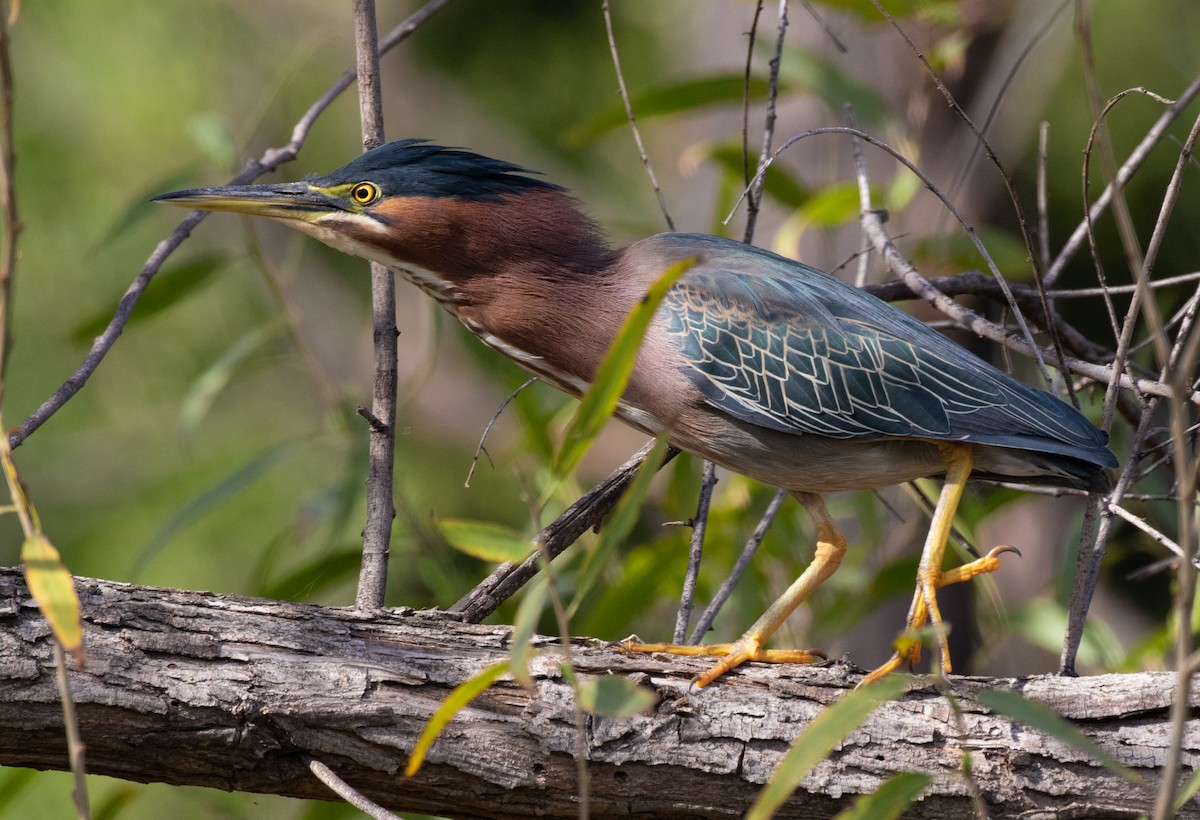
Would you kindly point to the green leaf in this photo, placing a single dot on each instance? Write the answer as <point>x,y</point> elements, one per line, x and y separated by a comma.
<point>53,588</point>
<point>890,800</point>
<point>804,70</point>
<point>1043,621</point>
<point>614,696</point>
<point>169,287</point>
<point>1189,790</point>
<point>1044,719</point>
<point>205,389</point>
<point>485,540</point>
<point>957,251</point>
<point>777,182</point>
<point>305,582</point>
<point>529,612</point>
<point>827,730</point>
<point>463,694</point>
<point>832,206</point>
<point>618,524</point>
<point>12,783</point>
<point>686,95</point>
<point>941,10</point>
<point>601,399</point>
<point>140,205</point>
<point>212,498</point>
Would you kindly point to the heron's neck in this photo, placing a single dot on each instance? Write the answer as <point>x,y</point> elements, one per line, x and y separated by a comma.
<point>464,252</point>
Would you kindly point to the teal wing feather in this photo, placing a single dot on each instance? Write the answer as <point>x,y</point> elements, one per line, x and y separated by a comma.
<point>787,347</point>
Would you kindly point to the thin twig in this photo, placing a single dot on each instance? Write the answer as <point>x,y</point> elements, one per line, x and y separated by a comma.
<point>10,222</point>
<point>381,511</point>
<point>637,134</point>
<point>1145,527</point>
<point>1043,208</point>
<point>347,792</point>
<point>1012,196</point>
<point>75,744</point>
<point>687,597</point>
<point>750,36</point>
<point>10,225</point>
<point>705,621</point>
<point>488,428</point>
<point>583,515</point>
<point>1178,362</point>
<point>1080,293</point>
<point>1138,156</point>
<point>700,521</point>
<point>270,160</point>
<point>764,157</point>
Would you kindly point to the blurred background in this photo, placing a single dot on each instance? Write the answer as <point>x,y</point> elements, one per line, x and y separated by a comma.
<point>217,447</point>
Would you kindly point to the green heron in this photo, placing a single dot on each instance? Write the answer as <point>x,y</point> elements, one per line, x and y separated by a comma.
<point>763,365</point>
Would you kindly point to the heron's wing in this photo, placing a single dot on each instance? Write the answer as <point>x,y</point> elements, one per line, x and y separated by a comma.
<point>787,347</point>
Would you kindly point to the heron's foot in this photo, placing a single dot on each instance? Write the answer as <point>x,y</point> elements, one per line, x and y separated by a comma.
<point>732,655</point>
<point>980,566</point>
<point>925,602</point>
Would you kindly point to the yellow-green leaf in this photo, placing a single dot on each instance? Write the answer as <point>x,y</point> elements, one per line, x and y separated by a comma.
<point>613,696</point>
<point>485,540</point>
<point>170,287</point>
<point>463,694</point>
<point>1044,719</point>
<point>529,611</point>
<point>827,730</point>
<point>618,524</point>
<point>890,800</point>
<point>613,374</point>
<point>53,588</point>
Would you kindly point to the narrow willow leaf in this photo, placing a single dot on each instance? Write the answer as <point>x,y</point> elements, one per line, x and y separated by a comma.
<point>211,499</point>
<point>205,389</point>
<point>170,287</point>
<point>827,730</point>
<point>1044,719</point>
<point>313,577</point>
<point>529,612</point>
<point>687,95</point>
<point>53,588</point>
<point>778,183</point>
<point>485,540</point>
<point>140,205</point>
<point>463,694</point>
<point>890,800</point>
<point>1189,790</point>
<point>614,696</point>
<point>803,69</point>
<point>618,524</point>
<point>613,374</point>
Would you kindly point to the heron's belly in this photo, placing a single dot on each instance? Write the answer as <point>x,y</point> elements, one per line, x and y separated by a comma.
<point>802,463</point>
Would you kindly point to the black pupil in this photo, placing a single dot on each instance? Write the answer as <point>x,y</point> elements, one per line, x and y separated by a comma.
<point>362,193</point>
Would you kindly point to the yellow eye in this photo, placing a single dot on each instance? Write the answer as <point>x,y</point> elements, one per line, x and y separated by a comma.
<point>364,193</point>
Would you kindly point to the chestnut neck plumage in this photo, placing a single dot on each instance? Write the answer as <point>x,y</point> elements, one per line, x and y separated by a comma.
<point>519,270</point>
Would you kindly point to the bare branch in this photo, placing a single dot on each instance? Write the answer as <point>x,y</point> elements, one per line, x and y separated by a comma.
<point>381,511</point>
<point>270,160</point>
<point>637,134</point>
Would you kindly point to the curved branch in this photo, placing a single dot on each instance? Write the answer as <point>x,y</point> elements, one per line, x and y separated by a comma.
<point>271,159</point>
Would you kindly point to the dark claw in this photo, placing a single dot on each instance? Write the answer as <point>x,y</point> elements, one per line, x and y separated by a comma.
<point>1003,548</point>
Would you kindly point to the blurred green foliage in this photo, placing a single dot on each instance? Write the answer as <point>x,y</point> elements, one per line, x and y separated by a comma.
<point>217,446</point>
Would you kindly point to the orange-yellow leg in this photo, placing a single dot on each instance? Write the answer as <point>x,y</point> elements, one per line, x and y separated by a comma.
<point>831,547</point>
<point>930,576</point>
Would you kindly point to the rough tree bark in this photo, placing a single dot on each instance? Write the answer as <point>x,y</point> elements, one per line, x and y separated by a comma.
<point>236,693</point>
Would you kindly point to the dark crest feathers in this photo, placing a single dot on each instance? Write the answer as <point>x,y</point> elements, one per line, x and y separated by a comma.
<point>416,167</point>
